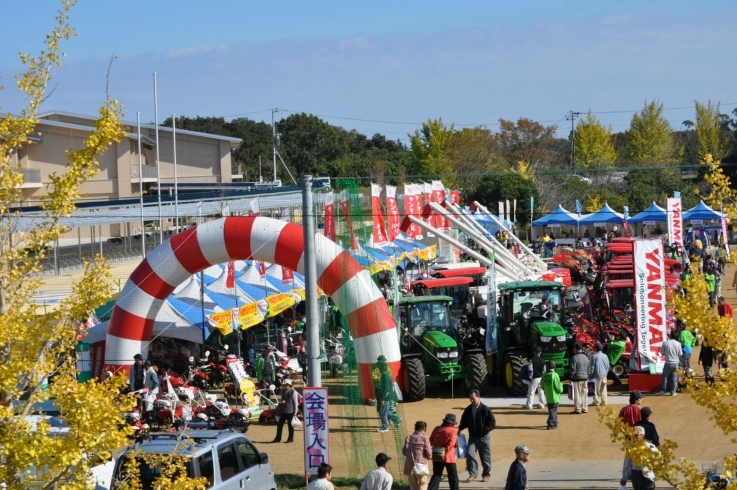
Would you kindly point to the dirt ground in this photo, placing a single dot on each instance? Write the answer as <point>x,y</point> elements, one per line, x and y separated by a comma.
<point>578,438</point>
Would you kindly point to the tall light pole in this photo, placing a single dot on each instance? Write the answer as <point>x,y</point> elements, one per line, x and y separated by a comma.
<point>571,116</point>
<point>314,375</point>
<point>140,186</point>
<point>158,162</point>
<point>273,138</point>
<point>176,189</point>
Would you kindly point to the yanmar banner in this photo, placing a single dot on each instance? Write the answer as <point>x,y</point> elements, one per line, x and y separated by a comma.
<point>329,216</point>
<point>427,188</point>
<point>650,305</point>
<point>346,208</point>
<point>674,212</point>
<point>379,232</point>
<point>392,212</point>
<point>411,209</point>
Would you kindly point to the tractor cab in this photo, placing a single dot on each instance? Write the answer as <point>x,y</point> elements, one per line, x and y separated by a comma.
<point>429,344</point>
<point>531,314</point>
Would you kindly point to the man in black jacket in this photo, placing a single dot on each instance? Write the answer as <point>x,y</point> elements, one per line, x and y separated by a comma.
<point>479,421</point>
<point>651,433</point>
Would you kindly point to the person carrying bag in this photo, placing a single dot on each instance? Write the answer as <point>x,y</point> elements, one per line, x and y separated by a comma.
<point>417,450</point>
<point>444,441</point>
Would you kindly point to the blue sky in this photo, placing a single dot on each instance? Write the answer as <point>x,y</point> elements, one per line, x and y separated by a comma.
<point>399,63</point>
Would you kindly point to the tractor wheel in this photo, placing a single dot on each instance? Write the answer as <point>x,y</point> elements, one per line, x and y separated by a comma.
<point>619,369</point>
<point>477,374</point>
<point>513,363</point>
<point>413,377</point>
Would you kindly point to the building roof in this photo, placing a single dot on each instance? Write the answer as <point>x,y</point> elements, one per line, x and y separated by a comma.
<point>45,118</point>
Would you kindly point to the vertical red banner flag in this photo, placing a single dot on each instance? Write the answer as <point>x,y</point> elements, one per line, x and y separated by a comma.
<point>261,267</point>
<point>427,191</point>
<point>455,197</point>
<point>379,231</point>
<point>287,275</point>
<point>409,204</point>
<point>345,207</point>
<point>417,209</point>
<point>438,196</point>
<point>392,212</point>
<point>329,216</point>
<point>230,278</point>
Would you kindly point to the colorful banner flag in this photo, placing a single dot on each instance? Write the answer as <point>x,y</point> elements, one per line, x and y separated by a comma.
<point>501,210</point>
<point>329,216</point>
<point>674,215</point>
<point>261,267</point>
<point>515,212</point>
<point>579,207</point>
<point>379,231</point>
<point>345,207</point>
<point>455,197</point>
<point>230,278</point>
<point>392,212</point>
<point>91,321</point>
<point>438,196</point>
<point>417,209</point>
<point>532,208</point>
<point>427,191</point>
<point>508,215</point>
<point>317,438</point>
<point>650,301</point>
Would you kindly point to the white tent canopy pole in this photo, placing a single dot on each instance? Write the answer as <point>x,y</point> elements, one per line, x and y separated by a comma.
<point>500,252</point>
<point>511,235</point>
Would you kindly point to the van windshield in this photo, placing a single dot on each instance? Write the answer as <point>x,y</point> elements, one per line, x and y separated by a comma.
<point>147,472</point>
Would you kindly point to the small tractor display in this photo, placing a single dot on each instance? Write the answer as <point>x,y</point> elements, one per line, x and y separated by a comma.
<point>431,350</point>
<point>530,315</point>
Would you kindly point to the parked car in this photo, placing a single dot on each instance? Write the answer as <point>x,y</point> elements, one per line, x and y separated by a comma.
<point>228,459</point>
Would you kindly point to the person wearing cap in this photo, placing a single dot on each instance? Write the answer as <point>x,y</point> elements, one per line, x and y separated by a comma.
<point>579,380</point>
<point>517,476</point>
<point>651,433</point>
<point>480,421</point>
<point>672,351</point>
<point>550,382</point>
<point>538,369</point>
<point>379,478</point>
<point>631,413</point>
<point>598,371</point>
<point>642,478</point>
<point>687,341</point>
<point>384,394</point>
<point>286,410</point>
<point>445,436</point>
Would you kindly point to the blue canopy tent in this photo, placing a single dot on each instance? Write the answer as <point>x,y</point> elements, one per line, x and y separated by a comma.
<point>702,212</point>
<point>654,213</point>
<point>603,217</point>
<point>558,218</point>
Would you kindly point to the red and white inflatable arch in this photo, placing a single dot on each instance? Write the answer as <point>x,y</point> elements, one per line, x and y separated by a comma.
<point>258,238</point>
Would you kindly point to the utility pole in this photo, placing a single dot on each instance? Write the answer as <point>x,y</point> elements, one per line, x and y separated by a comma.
<point>274,136</point>
<point>571,116</point>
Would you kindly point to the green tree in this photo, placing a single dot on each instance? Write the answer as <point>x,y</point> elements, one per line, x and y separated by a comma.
<point>711,132</point>
<point>510,185</point>
<point>594,144</point>
<point>649,140</point>
<point>427,146</point>
<point>310,145</point>
<point>647,186</point>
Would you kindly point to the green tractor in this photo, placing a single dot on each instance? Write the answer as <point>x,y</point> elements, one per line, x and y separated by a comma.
<point>530,315</point>
<point>430,348</point>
